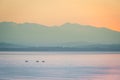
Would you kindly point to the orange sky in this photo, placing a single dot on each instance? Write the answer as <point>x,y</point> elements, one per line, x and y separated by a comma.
<point>99,13</point>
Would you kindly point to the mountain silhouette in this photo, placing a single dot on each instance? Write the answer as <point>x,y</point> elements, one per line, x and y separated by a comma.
<point>69,36</point>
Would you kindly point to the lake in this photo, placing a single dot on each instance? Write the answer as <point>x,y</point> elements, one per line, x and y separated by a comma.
<point>59,65</point>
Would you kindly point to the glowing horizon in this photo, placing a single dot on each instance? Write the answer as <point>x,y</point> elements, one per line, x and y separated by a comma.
<point>99,13</point>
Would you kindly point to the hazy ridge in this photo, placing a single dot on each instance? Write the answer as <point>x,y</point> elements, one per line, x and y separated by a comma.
<point>67,37</point>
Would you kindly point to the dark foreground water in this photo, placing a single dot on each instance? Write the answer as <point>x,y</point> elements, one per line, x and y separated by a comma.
<point>59,66</point>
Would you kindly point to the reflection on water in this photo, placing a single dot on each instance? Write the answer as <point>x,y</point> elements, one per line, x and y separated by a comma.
<point>60,67</point>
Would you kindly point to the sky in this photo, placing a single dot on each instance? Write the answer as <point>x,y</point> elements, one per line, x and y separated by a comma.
<point>99,13</point>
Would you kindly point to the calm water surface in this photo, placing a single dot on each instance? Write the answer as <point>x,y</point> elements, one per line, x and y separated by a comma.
<point>59,66</point>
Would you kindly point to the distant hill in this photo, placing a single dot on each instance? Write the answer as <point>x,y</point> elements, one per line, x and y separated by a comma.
<point>67,37</point>
<point>13,47</point>
<point>10,45</point>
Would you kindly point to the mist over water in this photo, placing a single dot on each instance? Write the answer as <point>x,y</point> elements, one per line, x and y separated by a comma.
<point>59,66</point>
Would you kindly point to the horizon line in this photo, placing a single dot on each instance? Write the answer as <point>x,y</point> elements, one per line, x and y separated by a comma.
<point>57,25</point>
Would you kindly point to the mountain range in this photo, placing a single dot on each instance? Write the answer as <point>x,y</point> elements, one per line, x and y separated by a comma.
<point>66,37</point>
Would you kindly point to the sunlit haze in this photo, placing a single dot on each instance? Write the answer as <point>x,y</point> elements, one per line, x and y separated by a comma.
<point>99,13</point>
